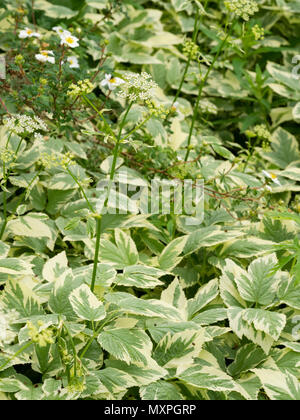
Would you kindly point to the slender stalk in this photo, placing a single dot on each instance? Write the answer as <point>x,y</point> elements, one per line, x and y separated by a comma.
<point>187,65</point>
<point>111,177</point>
<point>202,84</point>
<point>97,249</point>
<point>101,116</point>
<point>82,190</point>
<point>137,127</point>
<point>73,348</point>
<point>5,178</point>
<point>251,152</point>
<point>15,355</point>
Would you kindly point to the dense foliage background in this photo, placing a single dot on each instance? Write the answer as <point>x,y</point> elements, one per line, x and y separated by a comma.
<point>149,306</point>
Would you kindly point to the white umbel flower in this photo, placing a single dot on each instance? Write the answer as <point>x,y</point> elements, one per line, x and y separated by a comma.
<point>24,124</point>
<point>138,87</point>
<point>111,82</point>
<point>46,57</point>
<point>28,33</point>
<point>73,62</point>
<point>271,176</point>
<point>69,40</point>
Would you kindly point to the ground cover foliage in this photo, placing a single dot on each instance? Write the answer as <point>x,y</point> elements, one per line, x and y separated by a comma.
<point>138,305</point>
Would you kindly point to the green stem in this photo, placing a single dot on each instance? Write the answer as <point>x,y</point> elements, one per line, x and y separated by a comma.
<point>97,249</point>
<point>89,343</point>
<point>202,84</point>
<point>15,355</point>
<point>137,127</point>
<point>187,65</point>
<point>111,177</point>
<point>73,348</point>
<point>101,116</point>
<point>5,177</point>
<point>250,153</point>
<point>81,189</point>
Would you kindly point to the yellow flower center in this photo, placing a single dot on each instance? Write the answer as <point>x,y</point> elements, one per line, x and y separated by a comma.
<point>273,176</point>
<point>70,40</point>
<point>29,31</point>
<point>113,80</point>
<point>45,53</point>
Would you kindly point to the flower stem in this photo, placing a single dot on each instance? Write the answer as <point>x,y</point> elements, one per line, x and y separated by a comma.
<point>97,249</point>
<point>15,355</point>
<point>187,65</point>
<point>202,84</point>
<point>81,189</point>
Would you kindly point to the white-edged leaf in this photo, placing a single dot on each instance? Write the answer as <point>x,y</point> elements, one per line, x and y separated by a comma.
<point>86,305</point>
<point>129,345</point>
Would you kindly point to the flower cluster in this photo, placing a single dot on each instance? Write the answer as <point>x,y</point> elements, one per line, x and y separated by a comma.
<point>262,132</point>
<point>159,111</point>
<point>40,336</point>
<point>137,87</point>
<point>258,32</point>
<point>190,49</point>
<point>7,335</point>
<point>242,8</point>
<point>28,33</point>
<point>83,87</point>
<point>66,37</point>
<point>6,155</point>
<point>55,160</point>
<point>24,124</point>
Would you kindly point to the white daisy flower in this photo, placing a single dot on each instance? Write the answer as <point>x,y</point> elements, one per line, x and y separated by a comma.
<point>45,57</point>
<point>111,82</point>
<point>61,31</point>
<point>69,40</point>
<point>272,176</point>
<point>28,33</point>
<point>73,62</point>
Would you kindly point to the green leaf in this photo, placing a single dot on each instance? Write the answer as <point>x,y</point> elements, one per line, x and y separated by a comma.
<point>259,284</point>
<point>123,254</point>
<point>278,385</point>
<point>248,357</point>
<point>289,292</point>
<point>129,345</point>
<point>140,276</point>
<point>179,349</point>
<point>169,258</point>
<point>204,296</point>
<point>208,236</point>
<point>19,297</point>
<point>258,325</point>
<point>86,305</point>
<point>160,390</point>
<point>201,375</point>
<point>285,148</point>
<point>54,11</point>
<point>59,301</point>
<point>150,308</point>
